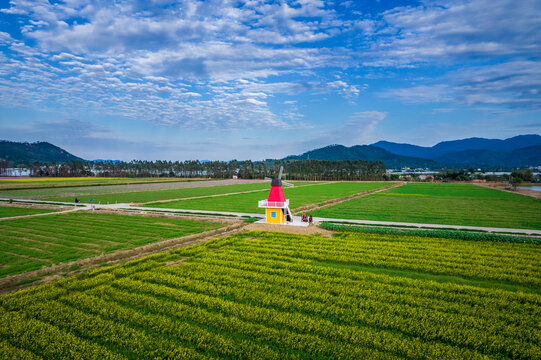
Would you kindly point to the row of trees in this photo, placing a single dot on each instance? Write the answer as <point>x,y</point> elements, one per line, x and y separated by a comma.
<point>294,169</point>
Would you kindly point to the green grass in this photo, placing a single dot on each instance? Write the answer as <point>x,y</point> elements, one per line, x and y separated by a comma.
<point>265,295</point>
<point>9,211</point>
<point>298,196</point>
<point>29,244</point>
<point>453,204</point>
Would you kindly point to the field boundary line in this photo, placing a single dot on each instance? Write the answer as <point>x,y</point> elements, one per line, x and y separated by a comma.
<point>313,207</point>
<point>218,195</point>
<point>9,283</point>
<point>44,214</point>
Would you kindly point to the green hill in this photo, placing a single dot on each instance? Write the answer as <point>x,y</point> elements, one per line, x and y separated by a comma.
<point>367,153</point>
<point>28,153</point>
<point>524,157</point>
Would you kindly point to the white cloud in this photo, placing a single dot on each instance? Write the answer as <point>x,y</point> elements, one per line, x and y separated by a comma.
<point>513,84</point>
<point>220,64</point>
<point>420,94</point>
<point>357,130</point>
<point>191,64</point>
<point>446,30</point>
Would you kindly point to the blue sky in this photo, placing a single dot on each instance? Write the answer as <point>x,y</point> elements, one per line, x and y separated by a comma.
<point>180,80</point>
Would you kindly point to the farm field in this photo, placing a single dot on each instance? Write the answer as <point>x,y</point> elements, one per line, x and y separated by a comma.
<point>436,203</point>
<point>298,196</point>
<point>157,195</point>
<point>9,211</point>
<point>267,295</point>
<point>69,193</point>
<point>45,182</point>
<point>31,243</point>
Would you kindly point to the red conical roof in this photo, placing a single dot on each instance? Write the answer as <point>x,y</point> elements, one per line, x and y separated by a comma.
<point>276,194</point>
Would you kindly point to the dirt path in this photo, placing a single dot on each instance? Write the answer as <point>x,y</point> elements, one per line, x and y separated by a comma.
<point>55,272</point>
<point>313,207</point>
<point>218,195</point>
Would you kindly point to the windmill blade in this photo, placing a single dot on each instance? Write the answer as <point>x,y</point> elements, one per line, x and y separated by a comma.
<point>268,178</point>
<point>288,184</point>
<point>280,173</point>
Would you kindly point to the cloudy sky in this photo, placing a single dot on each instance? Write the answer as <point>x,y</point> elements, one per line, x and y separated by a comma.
<point>176,80</point>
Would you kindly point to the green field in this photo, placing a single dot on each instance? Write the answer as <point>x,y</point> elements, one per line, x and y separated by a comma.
<point>453,204</point>
<point>31,243</point>
<point>121,193</point>
<point>45,182</point>
<point>9,211</point>
<point>267,295</point>
<point>156,195</point>
<point>298,196</point>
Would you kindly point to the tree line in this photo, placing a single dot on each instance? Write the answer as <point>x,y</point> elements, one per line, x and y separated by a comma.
<point>246,169</point>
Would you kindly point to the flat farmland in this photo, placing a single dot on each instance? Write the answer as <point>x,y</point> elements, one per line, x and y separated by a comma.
<point>9,211</point>
<point>45,182</point>
<point>298,196</point>
<point>267,295</point>
<point>436,203</point>
<point>69,193</point>
<point>157,195</point>
<point>31,243</point>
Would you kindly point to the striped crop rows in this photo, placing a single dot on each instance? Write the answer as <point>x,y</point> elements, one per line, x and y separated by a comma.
<point>29,244</point>
<point>260,295</point>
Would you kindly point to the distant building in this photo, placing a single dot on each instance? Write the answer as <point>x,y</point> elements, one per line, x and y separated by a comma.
<point>424,177</point>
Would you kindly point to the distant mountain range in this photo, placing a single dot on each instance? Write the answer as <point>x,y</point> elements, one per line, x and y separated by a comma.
<point>515,152</point>
<point>367,153</point>
<point>446,147</point>
<point>518,151</point>
<point>28,153</point>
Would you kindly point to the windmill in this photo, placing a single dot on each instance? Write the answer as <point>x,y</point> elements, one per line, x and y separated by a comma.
<point>276,206</point>
<point>280,178</point>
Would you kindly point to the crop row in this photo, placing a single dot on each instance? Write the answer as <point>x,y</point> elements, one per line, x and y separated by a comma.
<point>286,329</point>
<point>449,234</point>
<point>346,290</point>
<point>515,263</point>
<point>414,320</point>
<point>429,262</point>
<point>280,296</point>
<point>28,244</point>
